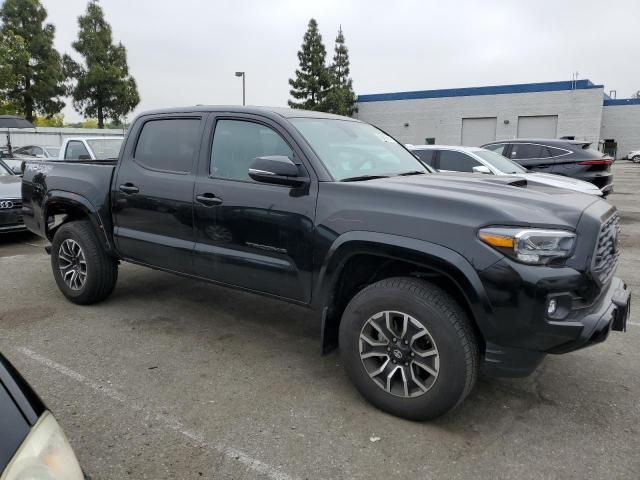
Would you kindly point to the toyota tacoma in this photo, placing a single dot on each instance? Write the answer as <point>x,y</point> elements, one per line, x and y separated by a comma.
<point>420,279</point>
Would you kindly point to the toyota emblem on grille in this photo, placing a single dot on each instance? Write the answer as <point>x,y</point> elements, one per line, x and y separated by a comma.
<point>6,204</point>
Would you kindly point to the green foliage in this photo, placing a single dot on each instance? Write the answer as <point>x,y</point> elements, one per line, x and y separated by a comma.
<point>53,121</point>
<point>103,87</point>
<point>89,123</point>
<point>7,108</point>
<point>341,99</point>
<point>636,95</point>
<point>33,72</point>
<point>312,82</point>
<point>13,51</point>
<point>34,67</point>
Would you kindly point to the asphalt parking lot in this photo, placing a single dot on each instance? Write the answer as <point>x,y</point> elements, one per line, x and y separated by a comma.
<point>173,378</point>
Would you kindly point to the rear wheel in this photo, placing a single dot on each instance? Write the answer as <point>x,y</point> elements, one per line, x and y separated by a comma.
<point>409,348</point>
<point>82,269</point>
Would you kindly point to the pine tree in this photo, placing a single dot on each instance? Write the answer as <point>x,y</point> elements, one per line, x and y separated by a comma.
<point>33,77</point>
<point>103,86</point>
<point>341,99</point>
<point>312,81</point>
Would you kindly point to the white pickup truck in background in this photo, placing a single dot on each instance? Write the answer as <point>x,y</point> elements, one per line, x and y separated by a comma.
<point>90,148</point>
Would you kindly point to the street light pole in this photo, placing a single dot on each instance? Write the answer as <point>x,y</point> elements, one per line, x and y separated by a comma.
<point>242,74</point>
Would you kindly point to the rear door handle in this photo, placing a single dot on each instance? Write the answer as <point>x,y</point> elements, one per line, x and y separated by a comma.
<point>129,188</point>
<point>208,199</point>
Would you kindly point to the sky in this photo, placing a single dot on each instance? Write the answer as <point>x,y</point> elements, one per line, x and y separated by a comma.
<point>185,52</point>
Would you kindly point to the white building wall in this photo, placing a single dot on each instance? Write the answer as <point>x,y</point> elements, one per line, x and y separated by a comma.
<point>622,123</point>
<point>579,114</point>
<point>52,137</point>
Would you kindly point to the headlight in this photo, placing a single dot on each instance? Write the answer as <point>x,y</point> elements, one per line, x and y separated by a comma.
<point>532,246</point>
<point>44,455</point>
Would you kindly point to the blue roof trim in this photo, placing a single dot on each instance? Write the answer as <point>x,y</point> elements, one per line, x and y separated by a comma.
<point>621,101</point>
<point>473,91</point>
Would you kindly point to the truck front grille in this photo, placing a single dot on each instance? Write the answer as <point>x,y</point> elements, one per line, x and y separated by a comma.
<point>605,259</point>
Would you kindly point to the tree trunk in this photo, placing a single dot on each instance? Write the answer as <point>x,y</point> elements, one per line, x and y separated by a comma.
<point>100,117</point>
<point>28,101</point>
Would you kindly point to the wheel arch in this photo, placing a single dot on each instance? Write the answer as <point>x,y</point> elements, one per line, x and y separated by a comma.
<point>72,207</point>
<point>369,256</point>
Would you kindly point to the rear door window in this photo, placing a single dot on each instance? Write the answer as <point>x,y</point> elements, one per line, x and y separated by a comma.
<point>456,161</point>
<point>168,144</point>
<point>524,151</point>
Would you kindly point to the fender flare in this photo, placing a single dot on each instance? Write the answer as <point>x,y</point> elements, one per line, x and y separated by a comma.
<point>443,260</point>
<point>61,197</point>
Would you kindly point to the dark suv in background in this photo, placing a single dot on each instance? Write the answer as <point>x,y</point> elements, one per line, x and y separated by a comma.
<point>571,158</point>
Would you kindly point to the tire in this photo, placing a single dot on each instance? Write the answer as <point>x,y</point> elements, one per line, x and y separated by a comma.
<point>96,278</point>
<point>448,332</point>
<point>636,159</point>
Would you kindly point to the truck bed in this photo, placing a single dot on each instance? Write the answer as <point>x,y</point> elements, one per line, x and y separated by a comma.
<point>87,183</point>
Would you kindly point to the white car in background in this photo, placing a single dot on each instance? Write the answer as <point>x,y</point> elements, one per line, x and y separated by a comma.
<point>634,156</point>
<point>446,158</point>
<point>37,151</point>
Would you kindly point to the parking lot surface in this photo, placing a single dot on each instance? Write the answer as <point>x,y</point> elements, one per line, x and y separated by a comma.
<point>173,378</point>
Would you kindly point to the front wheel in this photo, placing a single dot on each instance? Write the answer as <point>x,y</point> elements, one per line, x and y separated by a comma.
<point>82,269</point>
<point>636,159</point>
<point>409,348</point>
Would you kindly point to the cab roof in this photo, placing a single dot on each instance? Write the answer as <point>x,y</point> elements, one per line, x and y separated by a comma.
<point>265,111</point>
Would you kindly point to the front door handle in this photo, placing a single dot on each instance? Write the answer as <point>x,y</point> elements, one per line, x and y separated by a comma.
<point>208,199</point>
<point>129,188</point>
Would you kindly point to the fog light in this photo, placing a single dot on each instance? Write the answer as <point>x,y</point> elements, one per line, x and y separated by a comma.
<point>552,306</point>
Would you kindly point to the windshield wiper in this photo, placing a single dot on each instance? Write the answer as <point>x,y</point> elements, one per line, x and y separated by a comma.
<point>412,172</point>
<point>363,177</point>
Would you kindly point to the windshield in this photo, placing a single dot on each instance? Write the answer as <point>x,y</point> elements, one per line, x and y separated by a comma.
<point>105,148</point>
<point>353,149</point>
<point>499,162</point>
<point>53,151</point>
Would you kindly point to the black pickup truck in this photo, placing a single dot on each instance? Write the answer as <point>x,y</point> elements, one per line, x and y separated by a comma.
<point>421,279</point>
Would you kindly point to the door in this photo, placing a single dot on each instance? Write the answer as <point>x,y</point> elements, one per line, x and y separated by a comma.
<point>538,126</point>
<point>248,234</point>
<point>152,196</point>
<point>478,131</point>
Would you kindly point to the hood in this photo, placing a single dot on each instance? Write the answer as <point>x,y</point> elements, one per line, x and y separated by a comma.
<point>448,209</point>
<point>467,199</point>
<point>10,186</point>
<point>560,181</point>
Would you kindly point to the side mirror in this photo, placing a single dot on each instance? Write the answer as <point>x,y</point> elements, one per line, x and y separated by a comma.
<point>481,169</point>
<point>276,169</point>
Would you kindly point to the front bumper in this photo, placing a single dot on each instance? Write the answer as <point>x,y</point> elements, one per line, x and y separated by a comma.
<point>11,221</point>
<point>524,339</point>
